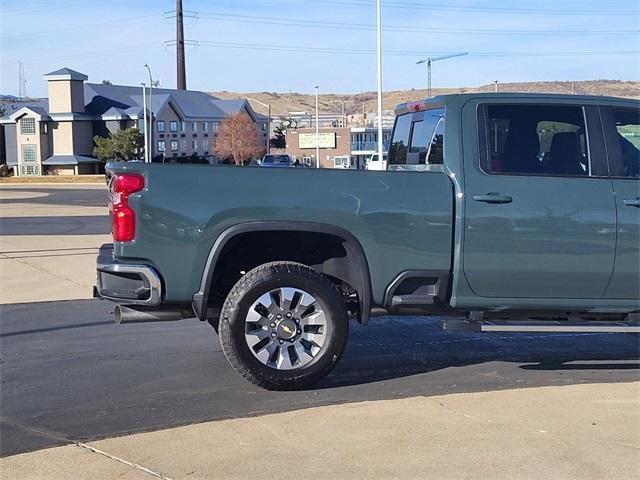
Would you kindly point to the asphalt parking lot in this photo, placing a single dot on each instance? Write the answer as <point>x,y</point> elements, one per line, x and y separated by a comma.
<point>68,373</point>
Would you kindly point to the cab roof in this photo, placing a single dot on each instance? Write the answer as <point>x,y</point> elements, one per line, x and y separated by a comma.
<point>441,100</point>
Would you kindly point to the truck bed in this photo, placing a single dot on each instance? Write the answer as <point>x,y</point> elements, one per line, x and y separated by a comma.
<point>403,220</point>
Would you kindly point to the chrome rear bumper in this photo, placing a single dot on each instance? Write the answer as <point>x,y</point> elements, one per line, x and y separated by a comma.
<point>130,284</point>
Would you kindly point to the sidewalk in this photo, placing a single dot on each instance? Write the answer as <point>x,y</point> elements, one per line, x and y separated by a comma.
<point>572,432</point>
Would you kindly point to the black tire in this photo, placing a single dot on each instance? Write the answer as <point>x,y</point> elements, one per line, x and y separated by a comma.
<point>247,290</point>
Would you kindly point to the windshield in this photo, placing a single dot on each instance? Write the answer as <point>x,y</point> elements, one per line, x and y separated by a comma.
<point>276,159</point>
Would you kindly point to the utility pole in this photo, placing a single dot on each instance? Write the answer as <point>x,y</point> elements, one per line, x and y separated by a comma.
<point>150,136</point>
<point>317,130</point>
<point>379,65</point>
<point>22,82</point>
<point>181,70</point>
<point>495,85</point>
<point>146,127</point>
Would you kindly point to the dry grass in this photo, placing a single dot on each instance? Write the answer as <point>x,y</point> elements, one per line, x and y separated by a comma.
<point>281,103</point>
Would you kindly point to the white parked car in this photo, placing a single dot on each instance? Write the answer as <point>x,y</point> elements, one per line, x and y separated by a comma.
<point>374,164</point>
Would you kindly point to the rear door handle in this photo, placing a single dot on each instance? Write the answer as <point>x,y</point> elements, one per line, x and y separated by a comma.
<point>632,202</point>
<point>493,197</point>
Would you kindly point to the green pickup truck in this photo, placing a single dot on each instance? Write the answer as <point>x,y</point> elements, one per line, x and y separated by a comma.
<point>494,207</point>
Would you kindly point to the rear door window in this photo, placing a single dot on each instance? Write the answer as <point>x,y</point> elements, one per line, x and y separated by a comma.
<point>535,140</point>
<point>622,129</point>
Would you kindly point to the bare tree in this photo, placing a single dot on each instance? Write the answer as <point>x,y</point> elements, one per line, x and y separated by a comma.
<point>238,140</point>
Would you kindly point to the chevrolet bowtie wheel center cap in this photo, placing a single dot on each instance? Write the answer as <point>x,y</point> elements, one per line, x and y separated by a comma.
<point>286,329</point>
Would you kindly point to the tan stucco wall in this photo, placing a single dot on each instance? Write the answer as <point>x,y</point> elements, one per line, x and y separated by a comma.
<point>61,170</point>
<point>62,138</point>
<point>66,96</point>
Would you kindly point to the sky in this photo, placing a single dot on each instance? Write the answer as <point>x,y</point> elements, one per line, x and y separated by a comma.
<point>292,45</point>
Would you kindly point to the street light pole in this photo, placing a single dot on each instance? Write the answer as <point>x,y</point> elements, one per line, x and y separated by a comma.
<point>317,130</point>
<point>379,65</point>
<point>146,134</point>
<point>268,106</point>
<point>150,112</point>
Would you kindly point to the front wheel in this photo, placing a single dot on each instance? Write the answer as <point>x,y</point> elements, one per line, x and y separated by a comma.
<point>283,326</point>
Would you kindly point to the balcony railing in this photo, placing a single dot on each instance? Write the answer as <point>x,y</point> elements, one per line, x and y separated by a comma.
<point>367,146</point>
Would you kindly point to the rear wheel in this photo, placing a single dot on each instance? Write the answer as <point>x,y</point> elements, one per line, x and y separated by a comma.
<point>283,326</point>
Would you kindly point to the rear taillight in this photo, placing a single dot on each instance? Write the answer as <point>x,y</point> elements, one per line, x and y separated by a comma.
<point>124,218</point>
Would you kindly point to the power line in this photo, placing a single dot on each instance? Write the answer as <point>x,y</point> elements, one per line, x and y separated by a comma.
<point>79,27</point>
<point>331,50</point>
<point>409,53</point>
<point>94,53</point>
<point>472,8</point>
<point>48,6</point>
<point>398,28</point>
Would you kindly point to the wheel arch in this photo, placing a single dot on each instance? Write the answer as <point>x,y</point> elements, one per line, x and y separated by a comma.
<point>353,269</point>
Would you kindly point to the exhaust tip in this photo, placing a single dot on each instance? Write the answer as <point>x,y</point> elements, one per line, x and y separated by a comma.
<point>136,314</point>
<point>117,314</point>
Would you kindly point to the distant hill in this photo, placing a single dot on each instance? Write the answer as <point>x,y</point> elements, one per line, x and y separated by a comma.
<point>281,103</point>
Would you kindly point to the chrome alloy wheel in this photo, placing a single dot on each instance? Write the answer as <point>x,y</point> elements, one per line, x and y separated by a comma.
<point>286,328</point>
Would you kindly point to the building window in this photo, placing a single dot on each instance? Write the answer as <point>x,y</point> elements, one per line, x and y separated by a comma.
<point>205,144</point>
<point>160,124</point>
<point>162,145</point>
<point>173,126</point>
<point>28,126</point>
<point>174,145</point>
<point>182,127</point>
<point>204,126</point>
<point>30,169</point>
<point>194,144</point>
<point>29,154</point>
<point>214,126</point>
<point>194,126</point>
<point>183,144</point>
<point>341,161</point>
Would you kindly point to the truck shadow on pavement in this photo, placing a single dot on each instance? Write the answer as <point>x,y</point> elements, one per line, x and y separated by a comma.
<point>394,348</point>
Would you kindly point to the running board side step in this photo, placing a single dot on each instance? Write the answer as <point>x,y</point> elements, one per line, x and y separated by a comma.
<point>547,326</point>
<point>412,300</point>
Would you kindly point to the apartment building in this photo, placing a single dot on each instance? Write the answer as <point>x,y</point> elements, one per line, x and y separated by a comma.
<point>55,136</point>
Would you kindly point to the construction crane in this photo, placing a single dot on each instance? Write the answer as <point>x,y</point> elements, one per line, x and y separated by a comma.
<point>429,60</point>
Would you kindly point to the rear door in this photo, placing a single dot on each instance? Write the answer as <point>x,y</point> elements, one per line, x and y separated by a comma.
<point>622,134</point>
<point>539,210</point>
